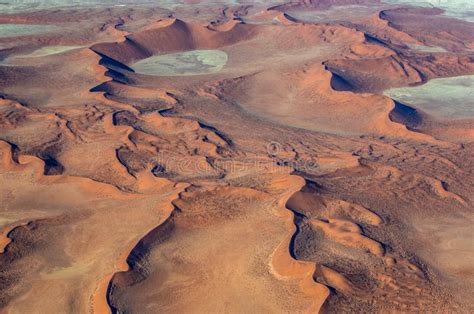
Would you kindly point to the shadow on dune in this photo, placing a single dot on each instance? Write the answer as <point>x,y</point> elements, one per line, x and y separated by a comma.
<point>138,264</point>
<point>406,115</point>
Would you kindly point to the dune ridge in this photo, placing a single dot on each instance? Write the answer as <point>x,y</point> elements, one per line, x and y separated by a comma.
<point>283,262</point>
<point>172,37</point>
<point>283,182</point>
<point>21,244</point>
<point>137,259</point>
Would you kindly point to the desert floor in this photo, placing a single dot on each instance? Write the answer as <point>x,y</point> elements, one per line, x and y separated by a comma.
<point>228,157</point>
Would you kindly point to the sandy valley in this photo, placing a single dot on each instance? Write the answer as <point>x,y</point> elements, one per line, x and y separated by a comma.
<point>236,157</point>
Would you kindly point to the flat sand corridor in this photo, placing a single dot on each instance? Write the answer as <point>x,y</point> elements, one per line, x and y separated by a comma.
<point>233,158</point>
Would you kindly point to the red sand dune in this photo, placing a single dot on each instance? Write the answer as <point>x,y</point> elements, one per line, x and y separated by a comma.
<point>282,182</point>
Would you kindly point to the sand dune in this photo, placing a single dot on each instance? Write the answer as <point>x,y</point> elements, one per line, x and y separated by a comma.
<point>38,239</point>
<point>430,28</point>
<point>305,99</point>
<point>146,172</point>
<point>320,4</point>
<point>200,215</point>
<point>173,36</point>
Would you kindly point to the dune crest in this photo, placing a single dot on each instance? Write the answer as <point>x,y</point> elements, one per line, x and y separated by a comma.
<point>230,157</point>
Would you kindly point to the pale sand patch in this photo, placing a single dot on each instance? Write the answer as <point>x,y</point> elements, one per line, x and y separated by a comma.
<point>13,30</point>
<point>451,97</point>
<point>182,63</point>
<point>48,51</point>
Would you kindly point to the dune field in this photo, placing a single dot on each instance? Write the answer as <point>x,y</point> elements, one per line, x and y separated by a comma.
<point>236,156</point>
